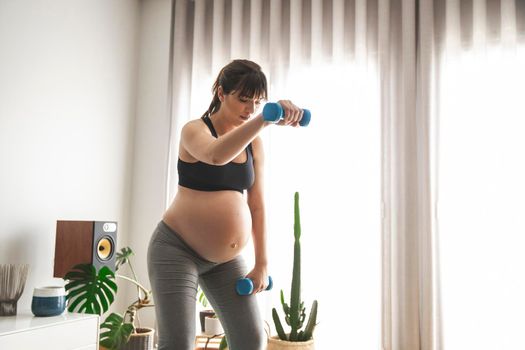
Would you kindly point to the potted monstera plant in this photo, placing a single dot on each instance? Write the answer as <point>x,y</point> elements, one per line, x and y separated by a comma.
<point>91,291</point>
<point>295,315</point>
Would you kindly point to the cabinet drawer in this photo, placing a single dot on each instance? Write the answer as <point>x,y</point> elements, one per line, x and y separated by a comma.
<point>71,335</point>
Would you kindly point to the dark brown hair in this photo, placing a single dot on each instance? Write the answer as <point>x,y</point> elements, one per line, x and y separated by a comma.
<point>243,76</point>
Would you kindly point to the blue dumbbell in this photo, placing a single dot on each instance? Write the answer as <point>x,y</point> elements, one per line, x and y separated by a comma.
<point>244,286</point>
<point>273,112</point>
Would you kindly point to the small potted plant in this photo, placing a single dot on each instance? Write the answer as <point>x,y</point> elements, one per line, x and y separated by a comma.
<point>294,312</point>
<point>210,323</point>
<point>206,311</point>
<point>91,291</point>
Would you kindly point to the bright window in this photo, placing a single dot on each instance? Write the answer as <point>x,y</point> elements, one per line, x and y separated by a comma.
<point>335,165</point>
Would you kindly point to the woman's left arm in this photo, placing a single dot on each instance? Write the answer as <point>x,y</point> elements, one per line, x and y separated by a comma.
<point>259,274</point>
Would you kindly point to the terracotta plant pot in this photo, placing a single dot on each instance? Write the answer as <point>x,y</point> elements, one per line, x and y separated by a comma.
<point>274,343</point>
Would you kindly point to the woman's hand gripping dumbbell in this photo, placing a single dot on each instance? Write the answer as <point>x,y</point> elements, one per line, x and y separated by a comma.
<point>244,286</point>
<point>273,112</point>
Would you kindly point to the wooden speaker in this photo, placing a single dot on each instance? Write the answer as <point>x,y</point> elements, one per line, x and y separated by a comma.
<point>84,242</point>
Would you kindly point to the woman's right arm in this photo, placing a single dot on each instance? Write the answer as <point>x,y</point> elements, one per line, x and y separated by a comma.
<point>197,141</point>
<point>219,151</point>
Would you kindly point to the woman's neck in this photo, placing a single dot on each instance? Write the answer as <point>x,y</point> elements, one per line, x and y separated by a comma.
<point>220,123</point>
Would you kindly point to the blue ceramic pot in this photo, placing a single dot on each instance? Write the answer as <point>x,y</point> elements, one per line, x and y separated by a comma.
<point>48,301</point>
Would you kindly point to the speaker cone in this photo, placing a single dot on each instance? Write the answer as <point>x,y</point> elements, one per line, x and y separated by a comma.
<point>105,248</point>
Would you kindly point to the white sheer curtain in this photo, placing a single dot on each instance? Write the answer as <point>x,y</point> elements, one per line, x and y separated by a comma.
<point>384,144</point>
<point>480,170</point>
<point>323,56</point>
<point>429,263</point>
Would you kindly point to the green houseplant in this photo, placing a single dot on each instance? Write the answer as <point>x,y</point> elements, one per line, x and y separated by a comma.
<point>295,311</point>
<point>91,291</point>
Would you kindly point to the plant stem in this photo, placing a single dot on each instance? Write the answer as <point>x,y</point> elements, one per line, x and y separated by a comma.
<point>134,275</point>
<point>146,292</point>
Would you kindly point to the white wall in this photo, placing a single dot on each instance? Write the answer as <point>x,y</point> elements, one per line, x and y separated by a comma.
<point>67,109</point>
<point>151,135</point>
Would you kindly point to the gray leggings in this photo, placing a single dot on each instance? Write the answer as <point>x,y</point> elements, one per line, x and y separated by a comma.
<point>174,270</point>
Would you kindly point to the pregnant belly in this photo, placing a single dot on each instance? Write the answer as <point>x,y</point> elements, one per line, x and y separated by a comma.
<point>217,225</point>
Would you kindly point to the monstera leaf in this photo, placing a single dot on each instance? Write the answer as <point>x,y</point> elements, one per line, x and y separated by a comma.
<point>123,257</point>
<point>114,332</point>
<point>88,291</point>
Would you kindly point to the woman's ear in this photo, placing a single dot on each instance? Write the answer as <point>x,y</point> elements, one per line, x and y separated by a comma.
<point>220,94</point>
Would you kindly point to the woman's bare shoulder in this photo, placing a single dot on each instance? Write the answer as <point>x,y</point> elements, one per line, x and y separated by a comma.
<point>194,123</point>
<point>194,126</point>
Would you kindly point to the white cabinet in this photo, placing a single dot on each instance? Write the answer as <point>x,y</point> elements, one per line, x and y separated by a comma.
<point>68,331</point>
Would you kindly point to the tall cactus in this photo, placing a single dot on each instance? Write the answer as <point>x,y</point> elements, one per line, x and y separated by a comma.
<point>295,300</point>
<point>295,312</point>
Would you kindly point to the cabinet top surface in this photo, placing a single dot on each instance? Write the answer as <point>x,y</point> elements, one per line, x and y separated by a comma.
<point>25,320</point>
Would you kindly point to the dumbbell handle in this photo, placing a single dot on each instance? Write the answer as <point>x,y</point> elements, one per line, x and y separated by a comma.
<point>273,112</point>
<point>244,286</point>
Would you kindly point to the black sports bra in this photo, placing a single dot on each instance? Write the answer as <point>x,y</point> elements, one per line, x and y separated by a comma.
<point>207,177</point>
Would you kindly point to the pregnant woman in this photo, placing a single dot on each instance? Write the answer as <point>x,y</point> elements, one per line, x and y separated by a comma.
<point>218,205</point>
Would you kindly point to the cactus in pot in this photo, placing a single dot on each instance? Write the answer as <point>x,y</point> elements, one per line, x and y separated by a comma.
<point>295,311</point>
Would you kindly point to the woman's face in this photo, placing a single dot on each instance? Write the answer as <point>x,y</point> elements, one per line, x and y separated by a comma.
<point>239,109</point>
